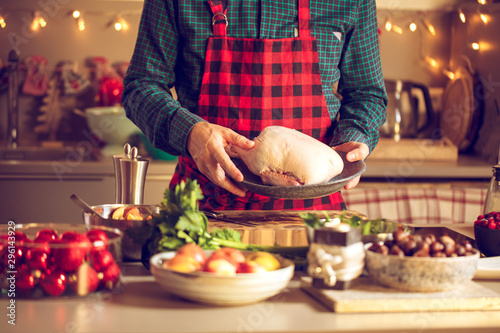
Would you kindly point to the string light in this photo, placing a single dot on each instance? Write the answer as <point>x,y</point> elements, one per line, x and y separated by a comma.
<point>432,62</point>
<point>81,24</point>
<point>2,22</point>
<point>76,14</point>
<point>120,24</point>
<point>430,27</point>
<point>475,46</point>
<point>462,16</point>
<point>482,2</point>
<point>397,29</point>
<point>38,21</point>
<point>413,26</point>
<point>484,18</point>
<point>388,26</point>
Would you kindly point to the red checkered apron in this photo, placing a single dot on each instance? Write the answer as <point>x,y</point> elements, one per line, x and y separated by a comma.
<point>249,84</point>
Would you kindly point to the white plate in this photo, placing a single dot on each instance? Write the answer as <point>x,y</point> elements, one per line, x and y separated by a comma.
<point>488,268</point>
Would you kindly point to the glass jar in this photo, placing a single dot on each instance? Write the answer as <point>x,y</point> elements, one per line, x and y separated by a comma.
<point>492,202</point>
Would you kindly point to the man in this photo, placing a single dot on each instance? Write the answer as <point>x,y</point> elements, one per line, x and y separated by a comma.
<point>242,65</point>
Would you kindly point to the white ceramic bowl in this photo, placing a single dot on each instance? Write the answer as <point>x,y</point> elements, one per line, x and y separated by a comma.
<point>111,125</point>
<point>421,274</point>
<point>208,288</point>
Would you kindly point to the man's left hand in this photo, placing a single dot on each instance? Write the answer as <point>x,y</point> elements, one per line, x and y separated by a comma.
<point>356,151</point>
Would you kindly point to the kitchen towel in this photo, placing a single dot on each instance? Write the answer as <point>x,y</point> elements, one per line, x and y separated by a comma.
<point>418,205</point>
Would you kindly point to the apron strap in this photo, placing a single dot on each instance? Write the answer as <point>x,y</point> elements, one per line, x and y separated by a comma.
<point>304,17</point>
<point>219,18</point>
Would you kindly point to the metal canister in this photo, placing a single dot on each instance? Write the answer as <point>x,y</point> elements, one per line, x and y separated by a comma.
<point>132,172</point>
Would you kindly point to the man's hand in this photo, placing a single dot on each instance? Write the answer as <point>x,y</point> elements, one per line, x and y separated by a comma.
<point>356,151</point>
<point>206,144</point>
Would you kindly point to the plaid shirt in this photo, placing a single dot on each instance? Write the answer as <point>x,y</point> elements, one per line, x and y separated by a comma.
<point>171,46</point>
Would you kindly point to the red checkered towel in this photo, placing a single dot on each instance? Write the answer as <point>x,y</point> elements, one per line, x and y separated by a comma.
<point>418,206</point>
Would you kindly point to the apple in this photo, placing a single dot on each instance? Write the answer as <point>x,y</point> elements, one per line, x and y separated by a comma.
<point>119,213</point>
<point>182,263</point>
<point>220,266</point>
<point>250,267</point>
<point>265,259</point>
<point>195,251</point>
<point>235,255</point>
<point>133,214</point>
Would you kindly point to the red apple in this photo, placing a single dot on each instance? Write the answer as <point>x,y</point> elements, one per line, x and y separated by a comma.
<point>220,266</point>
<point>195,251</point>
<point>251,267</point>
<point>182,263</point>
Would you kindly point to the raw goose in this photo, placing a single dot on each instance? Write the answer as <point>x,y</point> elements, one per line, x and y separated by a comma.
<point>286,157</point>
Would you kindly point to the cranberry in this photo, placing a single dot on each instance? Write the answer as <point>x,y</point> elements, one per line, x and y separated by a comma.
<point>46,235</point>
<point>101,259</point>
<point>53,283</point>
<point>25,281</point>
<point>67,255</point>
<point>98,238</point>
<point>37,259</point>
<point>110,276</point>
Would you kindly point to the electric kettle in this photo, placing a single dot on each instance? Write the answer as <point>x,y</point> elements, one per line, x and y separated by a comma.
<point>408,116</point>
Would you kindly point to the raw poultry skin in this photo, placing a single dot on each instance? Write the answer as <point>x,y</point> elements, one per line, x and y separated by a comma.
<point>286,157</point>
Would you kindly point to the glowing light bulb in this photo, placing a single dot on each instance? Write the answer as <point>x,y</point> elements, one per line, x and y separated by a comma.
<point>81,24</point>
<point>76,14</point>
<point>475,46</point>
<point>388,26</point>
<point>118,26</point>
<point>462,16</point>
<point>397,29</point>
<point>432,62</point>
<point>413,26</point>
<point>482,2</point>
<point>449,74</point>
<point>2,22</point>
<point>484,18</point>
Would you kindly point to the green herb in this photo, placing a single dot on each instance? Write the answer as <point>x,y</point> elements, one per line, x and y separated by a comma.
<point>368,227</point>
<point>180,221</point>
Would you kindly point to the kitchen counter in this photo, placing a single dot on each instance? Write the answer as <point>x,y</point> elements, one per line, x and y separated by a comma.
<point>466,167</point>
<point>143,307</point>
<point>47,185</point>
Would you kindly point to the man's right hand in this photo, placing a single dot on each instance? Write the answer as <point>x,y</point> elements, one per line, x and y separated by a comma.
<point>206,144</point>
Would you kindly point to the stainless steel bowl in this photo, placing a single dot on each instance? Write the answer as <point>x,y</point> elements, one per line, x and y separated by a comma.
<point>131,250</point>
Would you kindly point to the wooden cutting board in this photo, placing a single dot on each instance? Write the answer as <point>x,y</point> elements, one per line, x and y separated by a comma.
<point>282,228</point>
<point>369,297</point>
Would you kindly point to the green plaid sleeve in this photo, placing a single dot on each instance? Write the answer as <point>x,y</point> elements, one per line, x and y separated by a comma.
<point>147,98</point>
<point>363,108</point>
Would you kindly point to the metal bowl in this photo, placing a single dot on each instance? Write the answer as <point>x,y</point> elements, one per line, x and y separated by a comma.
<point>131,250</point>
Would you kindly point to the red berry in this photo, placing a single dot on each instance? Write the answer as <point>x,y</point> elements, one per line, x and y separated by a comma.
<point>477,222</point>
<point>85,281</point>
<point>98,238</point>
<point>46,235</point>
<point>110,276</point>
<point>67,255</point>
<point>25,281</point>
<point>492,225</point>
<point>480,217</point>
<point>101,259</point>
<point>37,259</point>
<point>53,283</point>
